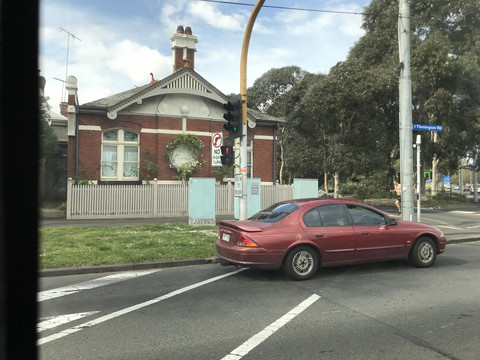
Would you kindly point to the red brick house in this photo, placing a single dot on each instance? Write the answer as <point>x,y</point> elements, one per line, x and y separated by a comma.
<point>122,138</point>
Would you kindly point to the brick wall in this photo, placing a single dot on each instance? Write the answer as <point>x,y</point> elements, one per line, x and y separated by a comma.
<point>152,144</point>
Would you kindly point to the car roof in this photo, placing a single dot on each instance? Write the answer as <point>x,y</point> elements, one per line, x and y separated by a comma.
<point>301,202</point>
<point>320,201</point>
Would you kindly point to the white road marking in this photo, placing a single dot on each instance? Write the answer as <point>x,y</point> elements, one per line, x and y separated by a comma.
<point>464,212</point>
<point>106,280</point>
<point>473,227</point>
<point>450,227</point>
<point>54,321</point>
<point>115,314</point>
<point>263,335</point>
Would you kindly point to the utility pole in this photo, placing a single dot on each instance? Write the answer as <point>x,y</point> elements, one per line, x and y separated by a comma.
<point>243,93</point>
<point>405,111</point>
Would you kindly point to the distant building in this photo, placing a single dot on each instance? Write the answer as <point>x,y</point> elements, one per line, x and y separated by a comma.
<point>114,139</point>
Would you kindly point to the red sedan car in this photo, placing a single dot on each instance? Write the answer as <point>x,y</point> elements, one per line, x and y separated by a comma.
<point>301,235</point>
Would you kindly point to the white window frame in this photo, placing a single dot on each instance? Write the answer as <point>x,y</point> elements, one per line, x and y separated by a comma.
<point>120,145</point>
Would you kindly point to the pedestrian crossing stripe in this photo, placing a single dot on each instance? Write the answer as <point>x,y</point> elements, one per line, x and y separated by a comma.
<point>54,321</point>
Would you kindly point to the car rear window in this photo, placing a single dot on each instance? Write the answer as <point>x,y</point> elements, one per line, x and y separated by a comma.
<point>274,213</point>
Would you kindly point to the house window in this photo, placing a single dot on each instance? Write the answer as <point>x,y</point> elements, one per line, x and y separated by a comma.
<point>120,150</point>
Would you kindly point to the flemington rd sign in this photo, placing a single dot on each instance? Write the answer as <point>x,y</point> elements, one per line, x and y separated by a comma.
<point>427,127</point>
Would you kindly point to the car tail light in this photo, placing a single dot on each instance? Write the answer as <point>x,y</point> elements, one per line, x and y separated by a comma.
<point>245,241</point>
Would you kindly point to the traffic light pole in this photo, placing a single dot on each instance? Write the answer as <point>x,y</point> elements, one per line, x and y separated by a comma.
<point>243,93</point>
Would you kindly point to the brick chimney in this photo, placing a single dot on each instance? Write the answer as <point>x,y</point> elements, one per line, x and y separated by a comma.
<point>183,47</point>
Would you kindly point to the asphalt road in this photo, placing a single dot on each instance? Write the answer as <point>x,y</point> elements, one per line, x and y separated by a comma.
<point>382,311</point>
<point>459,224</point>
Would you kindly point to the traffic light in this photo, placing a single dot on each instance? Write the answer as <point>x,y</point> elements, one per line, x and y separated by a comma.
<point>228,155</point>
<point>233,116</point>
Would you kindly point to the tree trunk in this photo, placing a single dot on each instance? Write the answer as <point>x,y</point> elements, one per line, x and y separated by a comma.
<point>337,184</point>
<point>280,172</point>
<point>325,183</point>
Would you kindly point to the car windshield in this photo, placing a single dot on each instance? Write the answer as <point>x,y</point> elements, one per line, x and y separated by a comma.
<point>274,213</point>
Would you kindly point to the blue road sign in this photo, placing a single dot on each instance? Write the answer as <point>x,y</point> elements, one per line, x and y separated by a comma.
<point>427,127</point>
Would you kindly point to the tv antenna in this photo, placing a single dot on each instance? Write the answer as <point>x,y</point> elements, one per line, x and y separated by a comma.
<point>74,37</point>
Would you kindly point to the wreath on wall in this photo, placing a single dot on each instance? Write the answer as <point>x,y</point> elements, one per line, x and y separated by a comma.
<point>182,155</point>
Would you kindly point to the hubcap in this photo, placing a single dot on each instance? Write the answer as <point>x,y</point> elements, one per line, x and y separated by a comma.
<point>302,263</point>
<point>425,252</point>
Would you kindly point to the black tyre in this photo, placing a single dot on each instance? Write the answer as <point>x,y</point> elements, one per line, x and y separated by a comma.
<point>301,263</point>
<point>423,253</point>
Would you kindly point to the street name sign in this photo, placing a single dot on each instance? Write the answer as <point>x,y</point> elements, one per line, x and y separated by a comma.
<point>427,127</point>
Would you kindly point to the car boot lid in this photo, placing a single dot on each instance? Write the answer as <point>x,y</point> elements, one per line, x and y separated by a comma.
<point>249,226</point>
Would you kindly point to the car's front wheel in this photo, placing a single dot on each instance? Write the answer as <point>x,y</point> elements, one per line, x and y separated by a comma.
<point>301,263</point>
<point>423,253</point>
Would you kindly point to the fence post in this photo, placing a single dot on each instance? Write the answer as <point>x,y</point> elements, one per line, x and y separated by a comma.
<point>155,196</point>
<point>68,211</point>
<point>231,198</point>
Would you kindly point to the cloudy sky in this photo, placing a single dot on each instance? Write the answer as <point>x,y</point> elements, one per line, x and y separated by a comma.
<point>114,45</point>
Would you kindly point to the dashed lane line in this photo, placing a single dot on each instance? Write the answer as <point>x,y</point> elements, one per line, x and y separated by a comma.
<point>263,335</point>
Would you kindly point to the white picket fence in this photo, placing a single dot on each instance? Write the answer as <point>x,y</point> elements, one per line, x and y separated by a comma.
<point>153,200</point>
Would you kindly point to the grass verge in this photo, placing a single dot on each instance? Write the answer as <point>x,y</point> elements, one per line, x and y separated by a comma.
<point>74,247</point>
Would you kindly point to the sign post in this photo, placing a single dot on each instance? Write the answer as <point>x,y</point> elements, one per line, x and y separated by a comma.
<point>419,177</point>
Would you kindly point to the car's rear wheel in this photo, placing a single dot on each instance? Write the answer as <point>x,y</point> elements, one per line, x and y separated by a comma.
<point>423,253</point>
<point>301,263</point>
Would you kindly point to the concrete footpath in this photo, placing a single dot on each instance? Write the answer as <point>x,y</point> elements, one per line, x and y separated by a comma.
<point>56,218</point>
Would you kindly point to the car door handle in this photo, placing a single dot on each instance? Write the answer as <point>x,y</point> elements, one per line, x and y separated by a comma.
<point>319,235</point>
<point>364,233</point>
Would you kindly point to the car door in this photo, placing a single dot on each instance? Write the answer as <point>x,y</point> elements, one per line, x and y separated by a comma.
<point>376,240</point>
<point>329,227</point>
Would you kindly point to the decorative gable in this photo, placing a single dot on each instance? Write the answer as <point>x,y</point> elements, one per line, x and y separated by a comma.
<point>185,81</point>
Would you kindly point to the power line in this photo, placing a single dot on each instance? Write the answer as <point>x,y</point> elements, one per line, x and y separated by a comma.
<point>285,7</point>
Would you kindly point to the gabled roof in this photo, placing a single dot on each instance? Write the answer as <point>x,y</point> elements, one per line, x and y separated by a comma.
<point>183,81</point>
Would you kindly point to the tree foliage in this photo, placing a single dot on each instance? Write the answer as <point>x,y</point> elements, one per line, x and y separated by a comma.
<point>347,121</point>
<point>267,91</point>
<point>48,139</point>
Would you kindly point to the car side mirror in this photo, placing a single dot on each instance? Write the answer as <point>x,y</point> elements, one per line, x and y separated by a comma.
<point>391,221</point>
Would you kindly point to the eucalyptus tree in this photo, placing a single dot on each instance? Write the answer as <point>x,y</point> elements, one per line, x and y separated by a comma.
<point>346,122</point>
<point>445,66</point>
<point>268,90</point>
<point>268,94</point>
<point>445,61</point>
<point>303,147</point>
<point>446,83</point>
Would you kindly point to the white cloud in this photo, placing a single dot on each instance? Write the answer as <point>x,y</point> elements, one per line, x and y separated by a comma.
<point>136,60</point>
<point>215,18</point>
<point>121,41</point>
